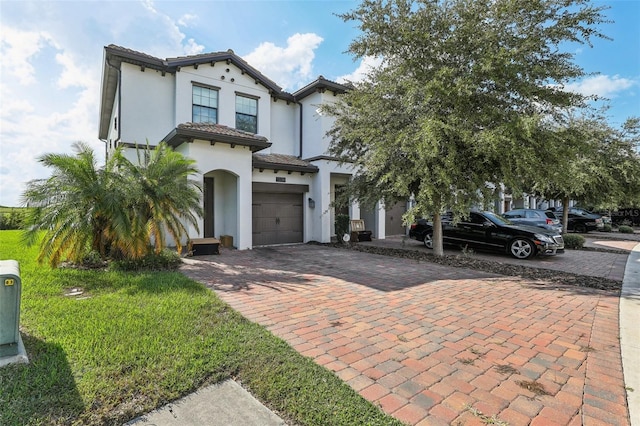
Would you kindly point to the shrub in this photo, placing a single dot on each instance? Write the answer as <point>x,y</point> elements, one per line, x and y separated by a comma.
<point>342,225</point>
<point>12,219</point>
<point>92,260</point>
<point>166,260</point>
<point>606,228</point>
<point>625,229</point>
<point>573,241</point>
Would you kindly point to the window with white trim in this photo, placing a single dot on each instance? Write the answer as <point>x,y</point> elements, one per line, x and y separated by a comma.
<point>246,114</point>
<point>205,105</point>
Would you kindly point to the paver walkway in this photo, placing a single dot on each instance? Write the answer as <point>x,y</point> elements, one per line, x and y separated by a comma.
<point>592,263</point>
<point>433,345</point>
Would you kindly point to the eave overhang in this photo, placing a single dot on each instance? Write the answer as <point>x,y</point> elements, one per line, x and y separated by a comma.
<point>215,133</point>
<point>259,162</point>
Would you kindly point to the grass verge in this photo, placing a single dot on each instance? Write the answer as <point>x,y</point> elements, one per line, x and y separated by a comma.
<point>131,342</point>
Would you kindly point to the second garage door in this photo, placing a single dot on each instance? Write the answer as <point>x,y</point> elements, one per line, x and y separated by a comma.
<point>277,218</point>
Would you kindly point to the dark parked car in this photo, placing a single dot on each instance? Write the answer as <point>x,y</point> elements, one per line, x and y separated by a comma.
<point>581,221</point>
<point>626,216</point>
<point>535,217</point>
<point>488,231</point>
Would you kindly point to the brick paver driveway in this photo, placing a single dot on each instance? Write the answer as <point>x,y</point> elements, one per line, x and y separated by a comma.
<point>433,345</point>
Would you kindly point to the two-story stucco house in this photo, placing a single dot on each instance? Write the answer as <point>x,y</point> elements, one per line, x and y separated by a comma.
<point>261,151</point>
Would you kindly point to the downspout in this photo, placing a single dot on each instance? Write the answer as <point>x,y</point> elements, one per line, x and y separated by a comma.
<point>300,103</point>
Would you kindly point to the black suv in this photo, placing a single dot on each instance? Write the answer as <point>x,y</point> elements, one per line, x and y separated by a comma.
<point>488,231</point>
<point>581,221</point>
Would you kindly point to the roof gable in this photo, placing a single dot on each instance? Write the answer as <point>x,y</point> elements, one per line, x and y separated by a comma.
<point>117,54</point>
<point>321,84</point>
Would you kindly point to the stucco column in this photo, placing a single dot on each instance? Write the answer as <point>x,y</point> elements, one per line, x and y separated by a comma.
<point>325,206</point>
<point>244,211</point>
<point>381,215</point>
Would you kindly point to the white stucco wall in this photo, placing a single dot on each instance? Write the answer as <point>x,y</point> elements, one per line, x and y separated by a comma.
<point>236,161</point>
<point>147,105</point>
<point>114,123</point>
<point>322,218</point>
<point>284,128</point>
<point>230,80</point>
<point>316,125</point>
<point>312,127</point>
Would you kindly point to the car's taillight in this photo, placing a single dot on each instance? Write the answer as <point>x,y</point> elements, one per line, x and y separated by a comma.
<point>413,225</point>
<point>549,221</point>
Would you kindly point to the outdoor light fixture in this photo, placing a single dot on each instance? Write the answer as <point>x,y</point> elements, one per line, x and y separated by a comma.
<point>312,203</point>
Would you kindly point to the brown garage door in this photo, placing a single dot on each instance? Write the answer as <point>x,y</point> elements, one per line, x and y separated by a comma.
<point>277,218</point>
<point>393,219</point>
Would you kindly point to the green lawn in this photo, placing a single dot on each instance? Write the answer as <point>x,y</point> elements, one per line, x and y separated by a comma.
<point>131,342</point>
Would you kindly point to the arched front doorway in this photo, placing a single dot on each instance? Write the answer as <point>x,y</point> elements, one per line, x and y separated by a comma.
<point>220,200</point>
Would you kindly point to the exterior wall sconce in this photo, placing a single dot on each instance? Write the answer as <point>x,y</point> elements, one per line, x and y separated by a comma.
<point>312,203</point>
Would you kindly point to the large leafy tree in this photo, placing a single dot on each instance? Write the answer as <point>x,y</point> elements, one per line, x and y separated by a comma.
<point>117,210</point>
<point>459,102</point>
<point>600,166</point>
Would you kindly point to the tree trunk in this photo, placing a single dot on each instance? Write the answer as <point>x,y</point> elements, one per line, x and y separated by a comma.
<point>438,247</point>
<point>565,214</point>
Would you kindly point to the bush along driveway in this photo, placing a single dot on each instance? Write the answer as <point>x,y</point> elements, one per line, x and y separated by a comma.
<point>437,344</point>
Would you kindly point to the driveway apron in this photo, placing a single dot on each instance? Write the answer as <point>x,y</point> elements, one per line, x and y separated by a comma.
<point>435,345</point>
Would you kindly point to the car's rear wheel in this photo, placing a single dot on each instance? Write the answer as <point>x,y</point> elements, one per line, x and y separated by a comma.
<point>581,228</point>
<point>521,248</point>
<point>428,240</point>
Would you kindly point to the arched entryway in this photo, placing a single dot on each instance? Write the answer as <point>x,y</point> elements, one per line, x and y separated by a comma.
<point>220,204</point>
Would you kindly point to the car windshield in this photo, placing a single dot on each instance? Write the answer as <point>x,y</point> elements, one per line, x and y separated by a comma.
<point>497,219</point>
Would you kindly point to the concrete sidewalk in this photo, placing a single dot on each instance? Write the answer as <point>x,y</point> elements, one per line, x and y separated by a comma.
<point>630,333</point>
<point>222,404</point>
<point>377,379</point>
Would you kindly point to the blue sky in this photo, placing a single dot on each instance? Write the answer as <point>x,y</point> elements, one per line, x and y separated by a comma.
<point>51,58</point>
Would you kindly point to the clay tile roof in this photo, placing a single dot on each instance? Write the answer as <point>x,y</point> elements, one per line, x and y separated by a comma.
<point>188,132</point>
<point>282,162</point>
<point>321,84</point>
<point>219,129</point>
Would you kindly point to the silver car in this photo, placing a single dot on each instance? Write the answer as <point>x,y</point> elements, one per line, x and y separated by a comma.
<point>535,217</point>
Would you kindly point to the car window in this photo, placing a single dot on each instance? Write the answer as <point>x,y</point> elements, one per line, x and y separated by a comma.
<point>497,219</point>
<point>477,219</point>
<point>531,214</point>
<point>550,215</point>
<point>513,213</point>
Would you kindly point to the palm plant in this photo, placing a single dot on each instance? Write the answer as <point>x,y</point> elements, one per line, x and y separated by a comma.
<point>79,207</point>
<point>164,199</point>
<point>117,210</point>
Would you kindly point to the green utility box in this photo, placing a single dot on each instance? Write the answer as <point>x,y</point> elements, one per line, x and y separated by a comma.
<point>10,289</point>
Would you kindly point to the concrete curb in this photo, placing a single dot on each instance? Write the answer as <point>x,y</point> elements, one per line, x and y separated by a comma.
<point>630,333</point>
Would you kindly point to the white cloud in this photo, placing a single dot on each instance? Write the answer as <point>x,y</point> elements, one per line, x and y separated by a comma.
<point>47,114</point>
<point>186,19</point>
<point>17,48</point>
<point>289,66</point>
<point>602,86</point>
<point>172,31</point>
<point>193,48</point>
<point>72,74</point>
<point>366,65</point>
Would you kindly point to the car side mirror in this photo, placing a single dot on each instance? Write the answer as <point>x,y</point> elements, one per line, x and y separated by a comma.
<point>487,224</point>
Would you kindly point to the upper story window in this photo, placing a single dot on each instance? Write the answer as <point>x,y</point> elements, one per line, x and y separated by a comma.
<point>205,105</point>
<point>247,114</point>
